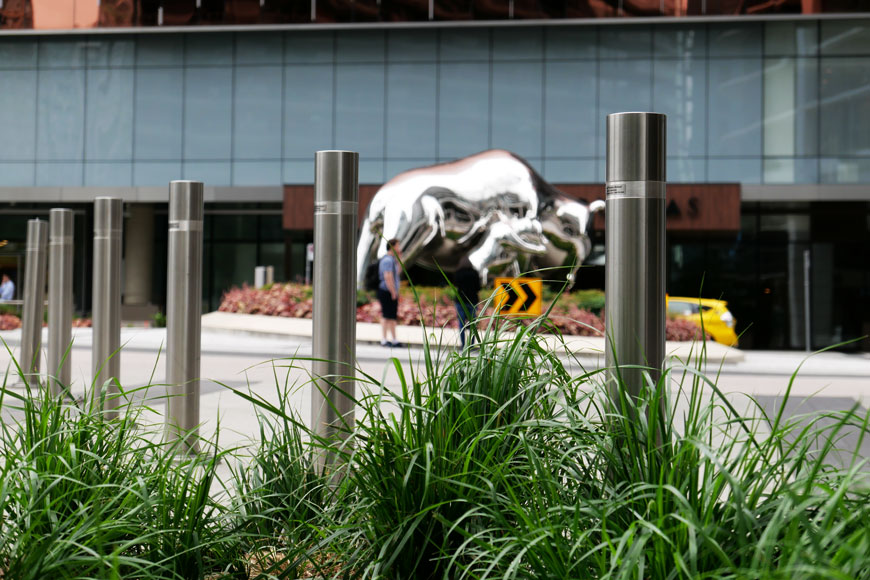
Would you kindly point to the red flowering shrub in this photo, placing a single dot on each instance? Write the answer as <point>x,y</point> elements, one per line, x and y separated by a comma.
<point>9,322</point>
<point>435,309</point>
<point>288,300</point>
<point>683,330</point>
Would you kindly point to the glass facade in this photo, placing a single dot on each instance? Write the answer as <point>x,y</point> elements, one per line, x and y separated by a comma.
<point>54,14</point>
<point>775,102</point>
<point>780,103</point>
<point>761,273</point>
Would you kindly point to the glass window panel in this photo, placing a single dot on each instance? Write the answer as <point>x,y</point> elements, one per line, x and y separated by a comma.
<point>371,172</point>
<point>404,10</point>
<point>360,46</point>
<point>17,52</point>
<point>786,227</point>
<point>233,265</point>
<point>517,43</point>
<point>734,40</point>
<point>845,97</point>
<point>272,254</point>
<point>679,42</point>
<point>846,37</point>
<point>210,173</point>
<point>624,85</point>
<point>462,45</point>
<point>270,226</point>
<point>570,42</point>
<point>411,108</point>
<point>208,49</point>
<point>109,130</point>
<point>308,110</point>
<point>16,175</point>
<point>517,123</point>
<point>791,38</point>
<point>159,49</point>
<point>259,48</point>
<point>569,170</point>
<point>159,113</point>
<point>570,116</point>
<point>803,170</point>
<point>18,115</point>
<point>412,45</point>
<point>854,170</point>
<point>256,133</point>
<point>454,10</point>
<point>306,47</point>
<point>298,172</point>
<point>59,174</point>
<point>463,109</point>
<point>397,166</point>
<point>680,91</point>
<point>108,174</point>
<point>61,53</point>
<point>155,173</point>
<point>60,113</point>
<point>735,107</point>
<point>257,173</point>
<point>685,170</point>
<point>359,109</point>
<point>624,42</point>
<point>207,113</point>
<point>110,51</point>
<point>790,106</point>
<point>734,170</point>
<point>234,227</point>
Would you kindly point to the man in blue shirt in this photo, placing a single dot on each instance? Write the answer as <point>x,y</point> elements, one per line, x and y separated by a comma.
<point>7,289</point>
<point>388,291</point>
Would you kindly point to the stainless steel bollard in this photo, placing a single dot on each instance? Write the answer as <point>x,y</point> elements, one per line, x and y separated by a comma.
<point>184,313</point>
<point>34,301</point>
<point>60,297</point>
<point>336,195</point>
<point>635,250</point>
<point>106,302</point>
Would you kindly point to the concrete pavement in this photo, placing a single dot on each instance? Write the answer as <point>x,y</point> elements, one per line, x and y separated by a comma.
<point>251,354</point>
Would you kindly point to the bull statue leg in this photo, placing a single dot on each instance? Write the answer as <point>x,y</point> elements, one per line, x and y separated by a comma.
<point>414,230</point>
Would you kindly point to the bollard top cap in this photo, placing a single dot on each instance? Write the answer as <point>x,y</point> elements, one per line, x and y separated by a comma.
<point>636,146</point>
<point>336,176</point>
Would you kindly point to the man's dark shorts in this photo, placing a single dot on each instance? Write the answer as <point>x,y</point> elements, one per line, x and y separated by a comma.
<point>389,307</point>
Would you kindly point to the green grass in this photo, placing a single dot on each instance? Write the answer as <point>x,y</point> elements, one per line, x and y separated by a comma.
<point>498,462</point>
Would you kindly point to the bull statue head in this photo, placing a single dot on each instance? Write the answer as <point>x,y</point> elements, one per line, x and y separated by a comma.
<point>492,207</point>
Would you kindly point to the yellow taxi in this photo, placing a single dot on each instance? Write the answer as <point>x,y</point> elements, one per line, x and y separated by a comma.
<point>714,315</point>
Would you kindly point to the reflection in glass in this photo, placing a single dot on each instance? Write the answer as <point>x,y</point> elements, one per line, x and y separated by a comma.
<point>63,14</point>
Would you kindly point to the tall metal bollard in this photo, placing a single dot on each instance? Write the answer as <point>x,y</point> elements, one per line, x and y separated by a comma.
<point>60,299</point>
<point>184,312</point>
<point>336,195</point>
<point>106,307</point>
<point>34,300</point>
<point>635,250</point>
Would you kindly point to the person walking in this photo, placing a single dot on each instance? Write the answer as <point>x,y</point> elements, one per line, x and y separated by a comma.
<point>7,288</point>
<point>389,268</point>
<point>466,279</point>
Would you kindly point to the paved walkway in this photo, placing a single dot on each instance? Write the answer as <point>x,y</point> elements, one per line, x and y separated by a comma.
<point>367,332</point>
<point>249,353</point>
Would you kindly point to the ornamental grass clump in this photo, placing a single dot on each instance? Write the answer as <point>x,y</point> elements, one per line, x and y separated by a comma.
<point>88,495</point>
<point>503,461</point>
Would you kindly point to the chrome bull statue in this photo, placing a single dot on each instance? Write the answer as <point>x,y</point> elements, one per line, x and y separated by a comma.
<point>492,206</point>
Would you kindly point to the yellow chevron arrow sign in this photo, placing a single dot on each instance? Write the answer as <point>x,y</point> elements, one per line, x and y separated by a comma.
<point>518,296</point>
